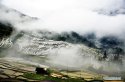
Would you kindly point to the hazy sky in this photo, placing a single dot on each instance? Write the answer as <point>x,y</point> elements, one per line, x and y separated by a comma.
<point>42,8</point>
<point>74,15</point>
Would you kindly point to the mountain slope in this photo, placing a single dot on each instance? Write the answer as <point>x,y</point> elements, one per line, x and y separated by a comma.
<point>59,49</point>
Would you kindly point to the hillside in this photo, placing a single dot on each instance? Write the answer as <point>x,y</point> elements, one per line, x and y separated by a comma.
<point>69,51</point>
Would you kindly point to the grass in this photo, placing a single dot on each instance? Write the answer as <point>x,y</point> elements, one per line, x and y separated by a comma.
<point>34,76</point>
<point>63,80</point>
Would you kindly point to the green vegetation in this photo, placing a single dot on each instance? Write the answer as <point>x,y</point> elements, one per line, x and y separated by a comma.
<point>64,80</point>
<point>34,76</point>
<point>50,71</point>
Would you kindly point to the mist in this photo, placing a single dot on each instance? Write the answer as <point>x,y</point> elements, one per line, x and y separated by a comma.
<point>101,17</point>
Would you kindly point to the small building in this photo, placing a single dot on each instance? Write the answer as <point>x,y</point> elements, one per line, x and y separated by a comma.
<point>41,71</point>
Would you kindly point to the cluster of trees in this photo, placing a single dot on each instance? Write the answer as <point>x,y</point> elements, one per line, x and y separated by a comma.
<point>5,30</point>
<point>107,44</point>
<point>75,38</point>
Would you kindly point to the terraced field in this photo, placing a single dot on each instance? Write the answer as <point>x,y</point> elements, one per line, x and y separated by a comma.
<point>14,72</point>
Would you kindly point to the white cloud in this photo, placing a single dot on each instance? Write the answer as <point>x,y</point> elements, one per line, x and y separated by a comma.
<point>72,15</point>
<point>45,7</point>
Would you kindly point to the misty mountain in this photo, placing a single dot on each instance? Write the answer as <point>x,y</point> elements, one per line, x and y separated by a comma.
<point>107,43</point>
<point>44,43</point>
<point>50,40</point>
<point>9,15</point>
<point>86,34</point>
<point>71,37</point>
<point>113,12</point>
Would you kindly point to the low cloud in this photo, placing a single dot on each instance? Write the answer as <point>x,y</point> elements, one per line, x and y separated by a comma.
<point>70,15</point>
